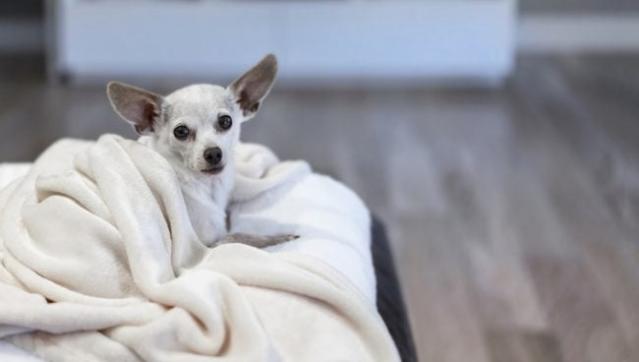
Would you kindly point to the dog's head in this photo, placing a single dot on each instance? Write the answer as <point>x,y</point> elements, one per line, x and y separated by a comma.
<point>196,127</point>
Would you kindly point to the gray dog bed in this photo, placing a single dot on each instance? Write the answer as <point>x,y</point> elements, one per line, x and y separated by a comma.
<point>390,301</point>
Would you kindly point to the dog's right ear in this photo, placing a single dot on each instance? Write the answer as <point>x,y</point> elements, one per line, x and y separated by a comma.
<point>137,106</point>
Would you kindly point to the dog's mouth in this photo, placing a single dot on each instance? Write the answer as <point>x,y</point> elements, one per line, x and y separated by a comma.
<point>213,170</point>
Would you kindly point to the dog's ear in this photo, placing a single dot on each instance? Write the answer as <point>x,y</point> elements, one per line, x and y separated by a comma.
<point>137,106</point>
<point>253,86</point>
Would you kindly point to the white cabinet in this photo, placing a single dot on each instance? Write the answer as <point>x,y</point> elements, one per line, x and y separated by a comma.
<point>318,41</point>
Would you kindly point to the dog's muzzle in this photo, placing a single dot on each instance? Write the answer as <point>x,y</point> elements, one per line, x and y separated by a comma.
<point>214,170</point>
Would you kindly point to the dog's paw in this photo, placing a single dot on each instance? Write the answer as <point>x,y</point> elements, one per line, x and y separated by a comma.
<point>289,237</point>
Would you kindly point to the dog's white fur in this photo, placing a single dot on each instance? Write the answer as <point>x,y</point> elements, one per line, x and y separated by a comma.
<point>206,196</point>
<point>199,107</point>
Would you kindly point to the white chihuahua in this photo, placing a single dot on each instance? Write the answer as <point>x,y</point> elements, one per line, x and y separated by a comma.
<point>196,128</point>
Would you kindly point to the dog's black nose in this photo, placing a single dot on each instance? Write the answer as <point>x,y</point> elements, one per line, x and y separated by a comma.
<point>213,155</point>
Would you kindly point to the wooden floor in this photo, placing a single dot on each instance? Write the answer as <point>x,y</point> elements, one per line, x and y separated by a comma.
<point>514,213</point>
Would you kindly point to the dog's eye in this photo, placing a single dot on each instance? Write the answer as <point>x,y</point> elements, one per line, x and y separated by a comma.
<point>181,132</point>
<point>224,122</point>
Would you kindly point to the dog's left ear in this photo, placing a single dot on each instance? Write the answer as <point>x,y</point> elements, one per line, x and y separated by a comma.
<point>251,88</point>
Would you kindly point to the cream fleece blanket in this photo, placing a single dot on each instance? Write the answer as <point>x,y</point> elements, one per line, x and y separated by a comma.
<point>100,262</point>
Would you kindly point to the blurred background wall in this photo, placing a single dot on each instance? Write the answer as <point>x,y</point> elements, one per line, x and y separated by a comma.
<point>315,39</point>
<point>22,26</point>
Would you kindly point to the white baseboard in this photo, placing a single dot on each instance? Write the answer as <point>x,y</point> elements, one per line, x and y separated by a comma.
<point>21,36</point>
<point>579,33</point>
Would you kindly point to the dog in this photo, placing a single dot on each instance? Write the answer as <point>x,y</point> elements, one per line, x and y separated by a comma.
<point>196,129</point>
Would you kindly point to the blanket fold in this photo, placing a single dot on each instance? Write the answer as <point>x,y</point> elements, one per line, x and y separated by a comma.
<point>99,261</point>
